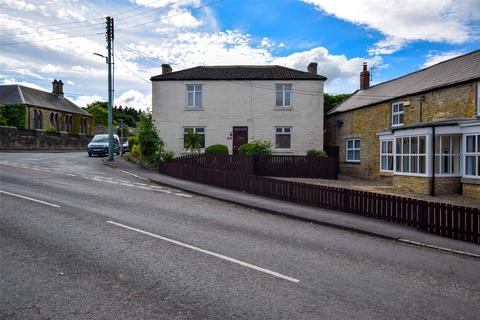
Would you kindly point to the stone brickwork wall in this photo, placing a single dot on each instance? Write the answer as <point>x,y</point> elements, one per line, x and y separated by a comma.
<point>422,185</point>
<point>471,188</point>
<point>12,138</point>
<point>61,126</point>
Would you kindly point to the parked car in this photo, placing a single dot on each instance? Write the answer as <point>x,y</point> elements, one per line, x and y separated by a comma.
<point>125,146</point>
<point>99,145</point>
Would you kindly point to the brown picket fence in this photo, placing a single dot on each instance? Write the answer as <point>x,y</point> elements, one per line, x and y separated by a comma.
<point>266,165</point>
<point>446,220</point>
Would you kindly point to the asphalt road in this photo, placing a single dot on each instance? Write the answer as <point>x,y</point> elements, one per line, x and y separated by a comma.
<point>80,240</point>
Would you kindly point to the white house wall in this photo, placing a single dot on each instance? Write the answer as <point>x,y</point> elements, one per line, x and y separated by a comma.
<point>239,103</point>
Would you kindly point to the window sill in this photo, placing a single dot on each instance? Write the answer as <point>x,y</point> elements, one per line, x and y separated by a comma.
<point>470,179</point>
<point>386,173</point>
<point>352,162</point>
<point>194,109</point>
<point>283,150</point>
<point>283,108</point>
<point>420,175</point>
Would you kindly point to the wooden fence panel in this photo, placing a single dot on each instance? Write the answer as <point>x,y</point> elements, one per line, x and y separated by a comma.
<point>451,221</point>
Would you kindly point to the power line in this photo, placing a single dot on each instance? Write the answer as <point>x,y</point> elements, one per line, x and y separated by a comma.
<point>171,16</point>
<point>129,70</point>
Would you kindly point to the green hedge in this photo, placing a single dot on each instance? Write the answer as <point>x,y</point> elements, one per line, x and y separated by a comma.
<point>14,115</point>
<point>256,147</point>
<point>316,153</point>
<point>217,149</point>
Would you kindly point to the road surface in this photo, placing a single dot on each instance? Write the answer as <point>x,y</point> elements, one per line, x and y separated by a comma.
<point>80,240</point>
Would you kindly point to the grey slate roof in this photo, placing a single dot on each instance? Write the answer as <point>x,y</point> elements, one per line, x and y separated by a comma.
<point>16,94</point>
<point>456,70</point>
<point>238,73</point>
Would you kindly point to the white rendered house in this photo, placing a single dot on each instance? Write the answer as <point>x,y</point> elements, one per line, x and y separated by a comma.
<point>232,105</point>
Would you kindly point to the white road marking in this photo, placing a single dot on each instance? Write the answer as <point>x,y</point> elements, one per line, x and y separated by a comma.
<point>144,188</point>
<point>164,191</point>
<point>134,175</point>
<point>127,184</point>
<point>183,195</point>
<point>221,256</point>
<point>157,187</point>
<point>31,199</point>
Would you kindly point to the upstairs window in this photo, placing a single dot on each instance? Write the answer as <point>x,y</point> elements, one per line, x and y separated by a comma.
<point>283,138</point>
<point>283,97</point>
<point>397,114</point>
<point>472,155</point>
<point>353,150</point>
<point>194,95</point>
<point>386,155</point>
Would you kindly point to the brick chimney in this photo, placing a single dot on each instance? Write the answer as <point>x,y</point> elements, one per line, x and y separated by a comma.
<point>57,87</point>
<point>364,77</point>
<point>166,68</point>
<point>312,68</point>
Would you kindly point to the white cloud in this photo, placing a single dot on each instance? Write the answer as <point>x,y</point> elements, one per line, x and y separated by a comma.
<point>23,83</point>
<point>83,101</point>
<point>402,21</point>
<point>134,99</point>
<point>437,57</point>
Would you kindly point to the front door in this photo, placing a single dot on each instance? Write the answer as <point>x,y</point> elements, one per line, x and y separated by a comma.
<point>240,136</point>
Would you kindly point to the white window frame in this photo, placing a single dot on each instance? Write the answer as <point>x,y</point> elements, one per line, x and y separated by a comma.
<point>195,131</point>
<point>284,94</point>
<point>387,154</point>
<point>439,156</point>
<point>284,132</point>
<point>353,149</point>
<point>187,91</point>
<point>475,154</point>
<point>398,113</point>
<point>400,156</point>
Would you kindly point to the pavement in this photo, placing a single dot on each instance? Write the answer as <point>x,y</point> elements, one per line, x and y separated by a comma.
<point>337,219</point>
<point>81,240</point>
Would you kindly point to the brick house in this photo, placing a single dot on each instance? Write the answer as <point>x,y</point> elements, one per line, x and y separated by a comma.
<point>232,105</point>
<point>45,109</point>
<point>420,131</point>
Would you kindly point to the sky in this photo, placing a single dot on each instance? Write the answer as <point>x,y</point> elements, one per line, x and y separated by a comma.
<point>55,39</point>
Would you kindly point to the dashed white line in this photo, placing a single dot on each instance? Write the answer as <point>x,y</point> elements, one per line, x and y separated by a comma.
<point>221,256</point>
<point>31,199</point>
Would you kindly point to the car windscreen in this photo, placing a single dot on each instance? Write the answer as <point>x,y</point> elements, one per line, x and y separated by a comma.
<point>101,139</point>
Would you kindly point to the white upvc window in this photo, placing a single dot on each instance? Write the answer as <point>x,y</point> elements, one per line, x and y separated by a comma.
<point>472,155</point>
<point>283,95</point>
<point>410,155</point>
<point>283,138</point>
<point>447,155</point>
<point>397,114</point>
<point>352,152</point>
<point>198,130</point>
<point>194,95</point>
<point>386,155</point>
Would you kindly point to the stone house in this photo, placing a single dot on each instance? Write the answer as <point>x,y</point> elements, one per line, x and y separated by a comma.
<point>45,109</point>
<point>421,131</point>
<point>232,105</point>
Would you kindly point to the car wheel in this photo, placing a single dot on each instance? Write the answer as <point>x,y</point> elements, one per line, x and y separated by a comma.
<point>89,154</point>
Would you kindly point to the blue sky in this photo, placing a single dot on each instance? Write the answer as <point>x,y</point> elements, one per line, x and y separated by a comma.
<point>43,40</point>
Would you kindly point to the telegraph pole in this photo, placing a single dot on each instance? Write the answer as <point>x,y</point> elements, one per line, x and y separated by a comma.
<point>110,87</point>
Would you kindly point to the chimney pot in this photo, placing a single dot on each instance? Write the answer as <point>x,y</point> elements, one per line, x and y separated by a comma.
<point>312,68</point>
<point>364,77</point>
<point>57,87</point>
<point>166,68</point>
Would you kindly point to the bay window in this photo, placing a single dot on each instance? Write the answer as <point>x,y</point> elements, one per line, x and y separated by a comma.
<point>386,155</point>
<point>411,155</point>
<point>447,154</point>
<point>472,155</point>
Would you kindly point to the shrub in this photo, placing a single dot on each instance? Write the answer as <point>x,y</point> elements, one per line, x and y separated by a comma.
<point>50,129</point>
<point>316,153</point>
<point>3,120</point>
<point>14,114</point>
<point>151,146</point>
<point>135,151</point>
<point>217,149</point>
<point>133,140</point>
<point>168,155</point>
<point>256,147</point>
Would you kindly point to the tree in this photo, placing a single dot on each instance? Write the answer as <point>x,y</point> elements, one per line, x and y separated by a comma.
<point>192,141</point>
<point>99,111</point>
<point>331,101</point>
<point>150,144</point>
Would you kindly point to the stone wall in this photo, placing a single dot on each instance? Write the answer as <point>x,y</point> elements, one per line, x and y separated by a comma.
<point>422,185</point>
<point>12,138</point>
<point>471,188</point>
<point>60,125</point>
